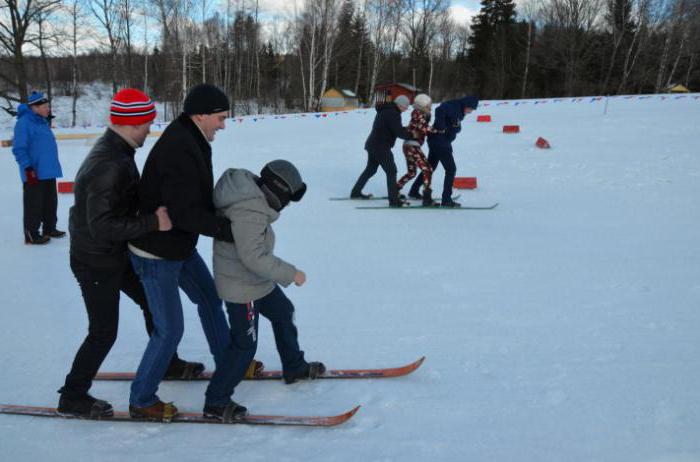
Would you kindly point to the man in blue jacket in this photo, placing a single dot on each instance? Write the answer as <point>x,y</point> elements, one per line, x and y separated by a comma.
<point>448,122</point>
<point>36,152</point>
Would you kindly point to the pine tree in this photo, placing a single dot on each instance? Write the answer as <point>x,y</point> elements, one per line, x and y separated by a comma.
<point>493,48</point>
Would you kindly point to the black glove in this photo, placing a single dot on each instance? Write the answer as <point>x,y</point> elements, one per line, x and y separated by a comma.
<point>224,232</point>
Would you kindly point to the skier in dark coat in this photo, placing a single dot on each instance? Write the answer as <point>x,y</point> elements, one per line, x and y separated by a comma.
<point>102,220</point>
<point>448,123</point>
<point>385,129</point>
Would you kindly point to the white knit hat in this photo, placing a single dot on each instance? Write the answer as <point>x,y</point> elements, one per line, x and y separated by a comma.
<point>422,102</point>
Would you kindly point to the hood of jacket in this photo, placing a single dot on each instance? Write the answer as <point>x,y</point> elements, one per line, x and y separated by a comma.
<point>469,101</point>
<point>239,188</point>
<point>23,110</point>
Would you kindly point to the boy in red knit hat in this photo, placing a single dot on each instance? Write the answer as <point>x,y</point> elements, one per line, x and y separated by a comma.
<point>101,222</point>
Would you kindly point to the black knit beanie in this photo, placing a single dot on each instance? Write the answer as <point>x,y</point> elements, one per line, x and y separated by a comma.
<point>282,180</point>
<point>205,99</point>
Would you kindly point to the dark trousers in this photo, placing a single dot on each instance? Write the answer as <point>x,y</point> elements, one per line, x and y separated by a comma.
<point>385,159</point>
<point>40,204</point>
<point>243,319</point>
<point>442,155</point>
<point>101,288</point>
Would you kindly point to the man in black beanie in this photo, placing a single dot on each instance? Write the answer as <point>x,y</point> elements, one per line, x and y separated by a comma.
<point>178,175</point>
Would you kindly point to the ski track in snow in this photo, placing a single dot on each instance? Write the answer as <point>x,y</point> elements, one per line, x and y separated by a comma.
<point>562,325</point>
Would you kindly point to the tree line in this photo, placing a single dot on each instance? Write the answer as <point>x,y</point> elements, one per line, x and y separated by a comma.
<point>537,48</point>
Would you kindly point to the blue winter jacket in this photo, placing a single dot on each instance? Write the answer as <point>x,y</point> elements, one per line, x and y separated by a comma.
<point>35,146</point>
<point>448,120</point>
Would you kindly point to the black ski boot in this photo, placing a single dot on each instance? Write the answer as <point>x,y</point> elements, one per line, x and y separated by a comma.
<point>34,238</point>
<point>427,199</point>
<point>84,406</point>
<point>414,195</point>
<point>183,370</point>
<point>310,371</point>
<point>360,196</point>
<point>56,234</point>
<point>450,204</point>
<point>228,413</point>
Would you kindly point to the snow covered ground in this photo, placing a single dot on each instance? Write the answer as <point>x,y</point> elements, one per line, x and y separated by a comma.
<point>562,326</point>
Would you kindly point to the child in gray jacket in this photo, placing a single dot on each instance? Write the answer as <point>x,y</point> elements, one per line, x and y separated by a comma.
<point>247,272</point>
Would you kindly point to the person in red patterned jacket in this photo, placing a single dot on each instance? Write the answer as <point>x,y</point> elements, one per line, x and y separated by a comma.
<point>419,128</point>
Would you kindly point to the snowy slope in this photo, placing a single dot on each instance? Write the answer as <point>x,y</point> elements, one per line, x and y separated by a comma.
<point>563,325</point>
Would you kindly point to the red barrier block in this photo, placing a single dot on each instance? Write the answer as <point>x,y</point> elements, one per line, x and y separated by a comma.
<point>65,187</point>
<point>464,182</point>
<point>483,118</point>
<point>542,143</point>
<point>511,129</point>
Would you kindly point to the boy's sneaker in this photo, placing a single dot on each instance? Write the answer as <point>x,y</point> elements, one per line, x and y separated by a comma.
<point>56,234</point>
<point>84,406</point>
<point>180,369</point>
<point>254,369</point>
<point>310,371</point>
<point>228,413</point>
<point>159,412</point>
<point>360,196</point>
<point>34,238</point>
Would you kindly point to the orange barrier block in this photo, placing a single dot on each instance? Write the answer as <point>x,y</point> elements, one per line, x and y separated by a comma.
<point>464,182</point>
<point>65,187</point>
<point>542,143</point>
<point>483,118</point>
<point>511,129</point>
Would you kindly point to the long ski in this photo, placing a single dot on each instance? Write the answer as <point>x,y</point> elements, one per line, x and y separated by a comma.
<point>277,375</point>
<point>418,207</point>
<point>192,417</point>
<point>379,198</point>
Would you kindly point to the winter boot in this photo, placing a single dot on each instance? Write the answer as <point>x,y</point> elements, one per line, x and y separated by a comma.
<point>56,234</point>
<point>360,196</point>
<point>398,203</point>
<point>84,406</point>
<point>310,371</point>
<point>450,204</point>
<point>254,369</point>
<point>158,412</point>
<point>427,199</point>
<point>228,413</point>
<point>34,238</point>
<point>183,370</point>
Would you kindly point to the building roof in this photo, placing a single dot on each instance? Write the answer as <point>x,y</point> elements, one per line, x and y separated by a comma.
<point>407,86</point>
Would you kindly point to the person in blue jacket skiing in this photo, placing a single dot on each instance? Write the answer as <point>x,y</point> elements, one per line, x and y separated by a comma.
<point>36,152</point>
<point>448,122</point>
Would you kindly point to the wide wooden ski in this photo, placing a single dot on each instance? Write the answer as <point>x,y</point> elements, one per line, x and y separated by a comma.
<point>277,375</point>
<point>191,417</point>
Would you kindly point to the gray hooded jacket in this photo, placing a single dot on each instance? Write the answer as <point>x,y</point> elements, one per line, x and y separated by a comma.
<point>247,269</point>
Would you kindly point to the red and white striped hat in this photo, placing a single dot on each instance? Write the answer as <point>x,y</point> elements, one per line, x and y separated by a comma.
<point>131,107</point>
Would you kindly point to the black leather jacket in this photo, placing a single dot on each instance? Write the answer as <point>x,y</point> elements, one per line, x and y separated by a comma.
<point>104,216</point>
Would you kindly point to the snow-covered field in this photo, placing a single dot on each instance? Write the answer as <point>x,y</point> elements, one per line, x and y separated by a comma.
<point>562,326</point>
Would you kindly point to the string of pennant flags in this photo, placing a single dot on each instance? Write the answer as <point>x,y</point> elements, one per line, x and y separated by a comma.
<point>483,104</point>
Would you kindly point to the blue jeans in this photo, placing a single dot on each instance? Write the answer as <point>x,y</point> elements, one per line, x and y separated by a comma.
<point>162,280</point>
<point>243,318</point>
